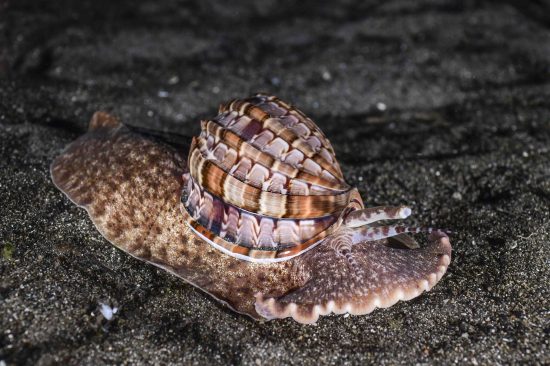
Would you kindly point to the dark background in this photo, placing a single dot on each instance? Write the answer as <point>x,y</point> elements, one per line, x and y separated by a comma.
<point>442,105</point>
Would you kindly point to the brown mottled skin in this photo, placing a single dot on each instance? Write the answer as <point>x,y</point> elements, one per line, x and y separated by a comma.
<point>131,185</point>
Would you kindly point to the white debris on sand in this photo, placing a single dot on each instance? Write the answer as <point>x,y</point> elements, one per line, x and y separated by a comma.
<point>107,311</point>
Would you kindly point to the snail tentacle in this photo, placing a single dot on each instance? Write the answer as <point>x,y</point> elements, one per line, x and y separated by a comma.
<point>373,233</point>
<point>373,214</point>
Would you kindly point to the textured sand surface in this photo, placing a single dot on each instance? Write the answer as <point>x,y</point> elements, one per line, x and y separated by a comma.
<point>442,107</point>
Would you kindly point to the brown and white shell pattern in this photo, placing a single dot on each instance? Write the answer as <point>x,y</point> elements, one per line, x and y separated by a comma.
<point>264,184</point>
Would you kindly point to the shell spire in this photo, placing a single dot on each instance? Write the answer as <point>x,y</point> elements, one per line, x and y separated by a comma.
<point>264,183</point>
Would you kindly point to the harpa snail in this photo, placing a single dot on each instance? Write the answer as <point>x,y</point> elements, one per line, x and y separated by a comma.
<point>259,216</point>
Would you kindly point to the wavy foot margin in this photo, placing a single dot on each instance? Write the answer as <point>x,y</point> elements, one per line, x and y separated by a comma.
<point>371,276</point>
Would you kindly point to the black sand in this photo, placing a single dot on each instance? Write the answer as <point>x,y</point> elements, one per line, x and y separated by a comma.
<point>440,106</point>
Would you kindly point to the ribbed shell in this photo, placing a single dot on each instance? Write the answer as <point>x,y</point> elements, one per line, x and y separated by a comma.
<point>263,181</point>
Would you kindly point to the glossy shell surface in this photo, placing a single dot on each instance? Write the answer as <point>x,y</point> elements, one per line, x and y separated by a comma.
<point>264,183</point>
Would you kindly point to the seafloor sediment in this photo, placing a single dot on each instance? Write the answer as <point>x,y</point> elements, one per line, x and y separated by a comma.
<point>440,106</point>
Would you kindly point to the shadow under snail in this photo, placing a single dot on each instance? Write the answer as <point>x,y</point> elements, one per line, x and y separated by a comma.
<point>259,215</point>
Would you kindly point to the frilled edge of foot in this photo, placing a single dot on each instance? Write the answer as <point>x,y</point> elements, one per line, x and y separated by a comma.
<point>269,308</point>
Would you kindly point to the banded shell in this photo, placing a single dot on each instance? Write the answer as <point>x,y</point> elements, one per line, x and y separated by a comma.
<point>264,184</point>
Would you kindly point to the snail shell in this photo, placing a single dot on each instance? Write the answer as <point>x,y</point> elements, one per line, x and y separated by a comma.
<point>264,184</point>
